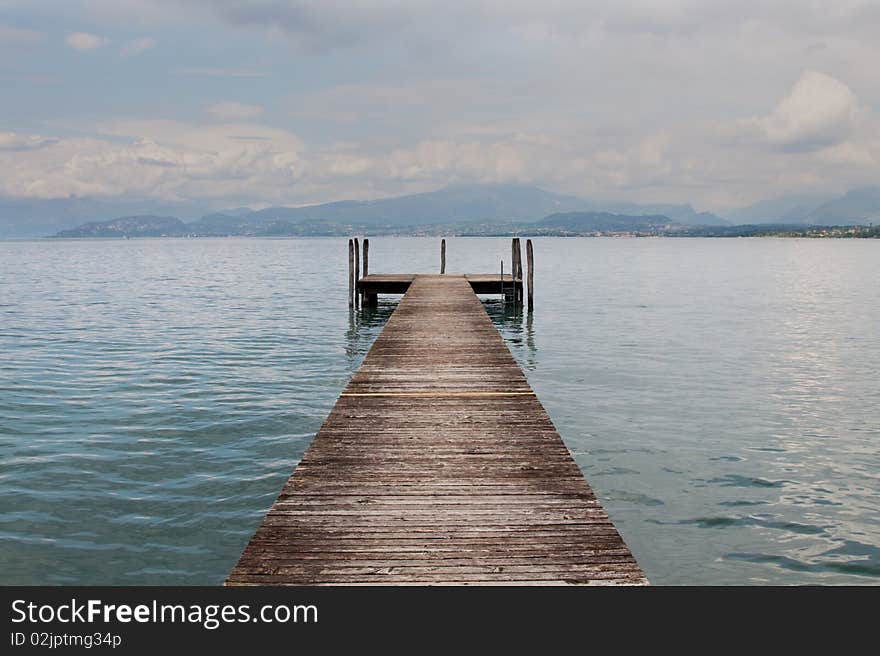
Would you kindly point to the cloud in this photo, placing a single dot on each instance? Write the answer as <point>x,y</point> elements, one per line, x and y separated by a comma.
<point>83,41</point>
<point>246,163</point>
<point>137,46</point>
<point>252,163</point>
<point>31,79</point>
<point>233,111</point>
<point>17,37</point>
<point>818,112</point>
<point>685,101</point>
<point>324,24</point>
<point>158,159</point>
<point>10,141</point>
<point>219,72</point>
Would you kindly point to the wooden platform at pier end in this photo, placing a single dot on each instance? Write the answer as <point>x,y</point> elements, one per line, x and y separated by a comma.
<point>398,283</point>
<point>438,465</point>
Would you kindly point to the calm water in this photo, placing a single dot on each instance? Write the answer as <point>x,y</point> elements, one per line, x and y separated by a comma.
<point>721,396</point>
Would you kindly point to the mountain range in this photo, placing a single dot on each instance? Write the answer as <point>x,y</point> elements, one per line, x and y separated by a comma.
<point>856,207</point>
<point>455,207</point>
<point>458,207</point>
<point>37,217</point>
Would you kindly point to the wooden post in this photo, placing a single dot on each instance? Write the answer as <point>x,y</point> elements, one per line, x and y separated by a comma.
<point>517,272</point>
<point>350,273</point>
<point>442,256</point>
<point>357,272</point>
<point>514,264</point>
<point>530,260</point>
<point>369,300</point>
<point>512,269</point>
<point>503,295</point>
<point>366,256</point>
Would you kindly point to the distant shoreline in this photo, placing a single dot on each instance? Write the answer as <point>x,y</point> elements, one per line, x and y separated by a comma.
<point>834,232</point>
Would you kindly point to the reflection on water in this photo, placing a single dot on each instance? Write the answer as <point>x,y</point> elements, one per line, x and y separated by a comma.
<point>364,324</point>
<point>516,325</point>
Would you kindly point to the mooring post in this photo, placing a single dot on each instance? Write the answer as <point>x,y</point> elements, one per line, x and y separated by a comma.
<point>530,260</point>
<point>503,295</point>
<point>350,273</point>
<point>512,270</point>
<point>442,256</point>
<point>517,272</point>
<point>370,300</point>
<point>513,260</point>
<point>366,256</point>
<point>357,272</point>
<point>516,256</point>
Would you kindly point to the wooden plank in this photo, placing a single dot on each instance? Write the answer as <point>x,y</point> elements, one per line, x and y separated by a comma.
<point>437,465</point>
<point>398,283</point>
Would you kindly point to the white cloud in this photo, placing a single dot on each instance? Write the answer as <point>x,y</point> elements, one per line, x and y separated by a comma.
<point>84,41</point>
<point>160,159</point>
<point>137,46</point>
<point>245,163</point>
<point>820,111</point>
<point>686,101</point>
<point>233,111</point>
<point>11,141</point>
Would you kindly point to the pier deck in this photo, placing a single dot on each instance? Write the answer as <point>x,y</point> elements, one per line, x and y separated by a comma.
<point>438,465</point>
<point>398,283</point>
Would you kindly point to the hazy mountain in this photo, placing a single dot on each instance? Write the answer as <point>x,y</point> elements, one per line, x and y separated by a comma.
<point>856,207</point>
<point>457,204</point>
<point>220,224</point>
<point>454,204</point>
<point>603,221</point>
<point>684,214</point>
<point>35,217</point>
<point>130,226</point>
<point>791,209</point>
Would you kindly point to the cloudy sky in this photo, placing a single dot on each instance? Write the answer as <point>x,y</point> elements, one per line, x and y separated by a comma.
<point>718,103</point>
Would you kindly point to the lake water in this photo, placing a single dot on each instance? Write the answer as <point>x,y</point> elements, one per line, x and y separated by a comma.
<point>721,396</point>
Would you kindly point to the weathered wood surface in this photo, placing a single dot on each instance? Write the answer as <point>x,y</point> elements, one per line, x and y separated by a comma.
<point>530,260</point>
<point>518,271</point>
<point>352,280</point>
<point>438,465</point>
<point>370,299</point>
<point>366,256</point>
<point>398,283</point>
<point>357,271</point>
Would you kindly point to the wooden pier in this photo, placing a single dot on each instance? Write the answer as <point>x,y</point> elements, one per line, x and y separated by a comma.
<point>438,465</point>
<point>364,289</point>
<point>398,283</point>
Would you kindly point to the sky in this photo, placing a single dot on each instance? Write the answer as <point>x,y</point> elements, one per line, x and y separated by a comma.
<point>716,103</point>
